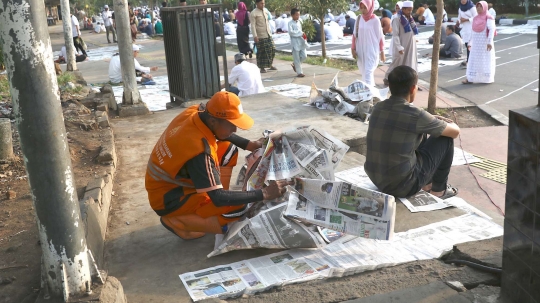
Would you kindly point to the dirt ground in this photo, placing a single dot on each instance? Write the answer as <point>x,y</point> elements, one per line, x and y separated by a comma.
<point>20,252</point>
<point>468,117</point>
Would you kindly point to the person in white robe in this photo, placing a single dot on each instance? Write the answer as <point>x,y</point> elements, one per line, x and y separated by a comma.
<point>298,43</point>
<point>368,42</point>
<point>404,30</point>
<point>466,13</point>
<point>481,65</point>
<point>399,4</point>
<point>341,20</point>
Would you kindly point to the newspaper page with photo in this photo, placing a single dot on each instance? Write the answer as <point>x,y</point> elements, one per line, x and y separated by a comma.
<point>320,168</point>
<point>334,146</point>
<point>343,196</point>
<point>356,224</point>
<point>424,201</point>
<point>283,163</point>
<point>215,282</point>
<point>269,229</point>
<point>257,179</point>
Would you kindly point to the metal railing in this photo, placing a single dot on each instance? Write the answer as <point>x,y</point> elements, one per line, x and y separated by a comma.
<point>192,51</point>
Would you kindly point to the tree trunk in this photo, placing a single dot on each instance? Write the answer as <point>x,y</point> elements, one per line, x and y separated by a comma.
<point>323,39</point>
<point>125,47</point>
<point>27,47</point>
<point>526,8</point>
<point>433,81</point>
<point>68,36</point>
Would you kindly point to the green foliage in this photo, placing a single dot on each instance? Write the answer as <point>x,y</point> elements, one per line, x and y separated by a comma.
<point>4,85</point>
<point>308,28</point>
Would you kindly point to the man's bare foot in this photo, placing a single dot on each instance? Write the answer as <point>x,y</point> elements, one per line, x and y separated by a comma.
<point>427,187</point>
<point>189,235</point>
<point>437,194</point>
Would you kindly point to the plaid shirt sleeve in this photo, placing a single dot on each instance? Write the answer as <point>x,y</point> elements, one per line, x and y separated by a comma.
<point>428,124</point>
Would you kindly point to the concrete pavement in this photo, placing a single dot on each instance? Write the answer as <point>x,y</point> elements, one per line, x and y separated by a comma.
<point>147,258</point>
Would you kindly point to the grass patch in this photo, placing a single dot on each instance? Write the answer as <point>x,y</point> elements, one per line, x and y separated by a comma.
<point>4,85</point>
<point>64,78</point>
<point>441,111</point>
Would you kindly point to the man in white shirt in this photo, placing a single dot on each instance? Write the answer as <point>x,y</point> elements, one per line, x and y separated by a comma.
<point>427,18</point>
<point>76,33</point>
<point>115,69</point>
<point>248,77</point>
<point>63,55</point>
<point>108,22</point>
<point>491,10</point>
<point>99,28</point>
<point>281,24</point>
<point>228,28</point>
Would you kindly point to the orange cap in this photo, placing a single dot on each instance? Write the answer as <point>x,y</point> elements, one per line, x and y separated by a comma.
<point>227,106</point>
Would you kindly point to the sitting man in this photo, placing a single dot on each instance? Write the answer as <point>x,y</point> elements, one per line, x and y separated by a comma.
<point>99,28</point>
<point>115,69</point>
<point>189,170</point>
<point>349,25</point>
<point>62,58</point>
<point>248,77</point>
<point>400,159</point>
<point>453,46</point>
<point>145,27</point>
<point>443,35</point>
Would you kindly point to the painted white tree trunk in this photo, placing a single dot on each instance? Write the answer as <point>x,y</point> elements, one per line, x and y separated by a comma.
<point>29,62</point>
<point>68,36</point>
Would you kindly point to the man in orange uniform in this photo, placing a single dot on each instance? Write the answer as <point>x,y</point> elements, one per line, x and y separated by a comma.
<point>189,170</point>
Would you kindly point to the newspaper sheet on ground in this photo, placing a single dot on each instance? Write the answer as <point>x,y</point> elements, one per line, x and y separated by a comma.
<point>462,157</point>
<point>269,229</point>
<point>424,201</point>
<point>337,259</point>
<point>359,212</point>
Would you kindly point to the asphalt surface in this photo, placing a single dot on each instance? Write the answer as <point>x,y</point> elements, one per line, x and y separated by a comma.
<point>517,72</point>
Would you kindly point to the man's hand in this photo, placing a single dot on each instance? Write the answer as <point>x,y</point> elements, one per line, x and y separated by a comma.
<point>383,57</point>
<point>489,47</point>
<point>275,190</point>
<point>256,39</point>
<point>354,54</point>
<point>444,119</point>
<point>153,68</point>
<point>253,145</point>
<point>401,52</point>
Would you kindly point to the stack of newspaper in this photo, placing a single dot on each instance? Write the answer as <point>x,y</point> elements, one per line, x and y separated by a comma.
<point>308,157</point>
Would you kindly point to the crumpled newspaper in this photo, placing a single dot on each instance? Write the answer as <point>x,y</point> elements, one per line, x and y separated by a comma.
<point>356,100</point>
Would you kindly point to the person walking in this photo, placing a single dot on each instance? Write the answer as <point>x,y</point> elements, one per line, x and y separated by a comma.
<point>298,43</point>
<point>262,35</point>
<point>108,22</point>
<point>242,30</point>
<point>403,40</point>
<point>467,11</point>
<point>368,42</point>
<point>481,65</point>
<point>76,33</point>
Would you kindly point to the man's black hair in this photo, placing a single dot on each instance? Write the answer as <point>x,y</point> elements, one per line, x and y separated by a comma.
<point>451,27</point>
<point>401,80</point>
<point>240,61</point>
<point>294,11</point>
<point>164,3</point>
<point>347,16</point>
<point>257,1</point>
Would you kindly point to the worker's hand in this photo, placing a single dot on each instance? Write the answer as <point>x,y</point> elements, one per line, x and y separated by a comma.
<point>383,57</point>
<point>154,68</point>
<point>256,39</point>
<point>253,145</point>
<point>489,47</point>
<point>401,52</point>
<point>275,189</point>
<point>354,54</point>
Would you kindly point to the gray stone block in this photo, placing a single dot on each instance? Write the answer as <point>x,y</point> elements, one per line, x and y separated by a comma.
<point>103,121</point>
<point>95,183</point>
<point>133,110</point>
<point>94,194</point>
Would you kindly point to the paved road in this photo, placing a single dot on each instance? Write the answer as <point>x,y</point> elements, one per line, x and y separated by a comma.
<point>516,73</point>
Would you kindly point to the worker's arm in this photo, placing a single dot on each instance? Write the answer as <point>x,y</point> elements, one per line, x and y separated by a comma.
<point>244,143</point>
<point>202,170</point>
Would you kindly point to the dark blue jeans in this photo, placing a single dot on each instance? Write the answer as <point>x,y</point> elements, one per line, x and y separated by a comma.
<point>434,160</point>
<point>234,90</point>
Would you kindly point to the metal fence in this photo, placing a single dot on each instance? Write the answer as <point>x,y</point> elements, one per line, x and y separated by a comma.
<point>192,51</point>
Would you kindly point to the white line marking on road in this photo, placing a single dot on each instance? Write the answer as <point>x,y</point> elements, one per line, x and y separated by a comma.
<point>511,92</point>
<point>508,38</point>
<point>518,46</point>
<point>497,65</point>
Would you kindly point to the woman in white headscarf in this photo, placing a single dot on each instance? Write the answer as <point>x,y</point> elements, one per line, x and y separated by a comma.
<point>368,42</point>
